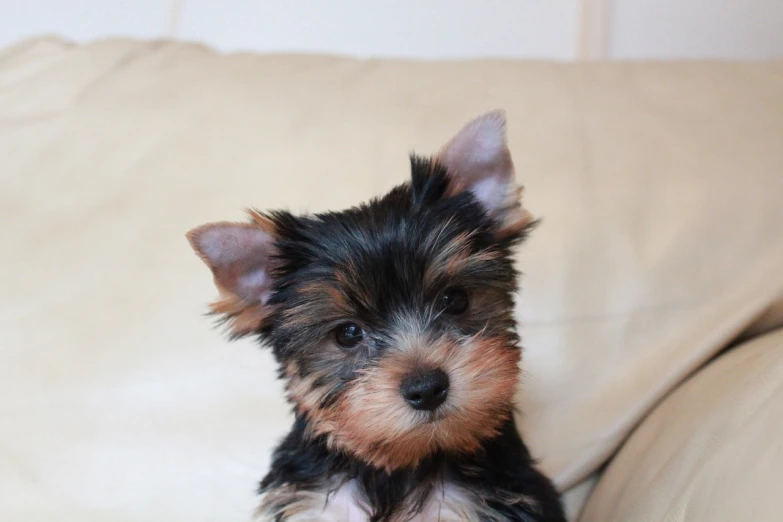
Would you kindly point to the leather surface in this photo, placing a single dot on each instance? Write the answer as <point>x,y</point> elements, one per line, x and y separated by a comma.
<point>662,239</point>
<point>711,452</point>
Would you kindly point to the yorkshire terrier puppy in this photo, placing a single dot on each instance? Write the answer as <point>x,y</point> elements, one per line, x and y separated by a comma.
<point>392,323</point>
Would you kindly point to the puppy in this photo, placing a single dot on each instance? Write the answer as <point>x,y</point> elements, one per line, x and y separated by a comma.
<point>393,326</point>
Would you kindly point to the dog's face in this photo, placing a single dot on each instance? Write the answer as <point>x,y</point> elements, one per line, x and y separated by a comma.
<point>392,321</point>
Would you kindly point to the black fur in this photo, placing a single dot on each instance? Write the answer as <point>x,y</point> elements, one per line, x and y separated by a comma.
<point>388,242</point>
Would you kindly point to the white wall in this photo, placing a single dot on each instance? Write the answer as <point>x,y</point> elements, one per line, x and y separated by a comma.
<point>552,29</point>
<point>735,29</point>
<point>410,28</point>
<point>84,19</point>
<point>420,28</point>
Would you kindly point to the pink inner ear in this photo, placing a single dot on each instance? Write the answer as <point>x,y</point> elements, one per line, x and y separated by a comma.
<point>491,192</point>
<point>479,157</point>
<point>239,257</point>
<point>480,142</point>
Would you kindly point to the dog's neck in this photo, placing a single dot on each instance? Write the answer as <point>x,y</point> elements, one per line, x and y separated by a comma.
<point>307,464</point>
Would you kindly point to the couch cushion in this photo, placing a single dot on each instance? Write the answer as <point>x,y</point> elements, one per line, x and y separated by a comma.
<point>659,185</point>
<point>711,452</point>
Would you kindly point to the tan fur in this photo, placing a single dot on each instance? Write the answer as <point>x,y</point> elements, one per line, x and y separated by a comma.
<point>514,218</point>
<point>302,390</point>
<point>445,260</point>
<point>307,399</point>
<point>454,258</point>
<point>348,277</point>
<point>324,299</point>
<point>264,222</point>
<point>242,317</point>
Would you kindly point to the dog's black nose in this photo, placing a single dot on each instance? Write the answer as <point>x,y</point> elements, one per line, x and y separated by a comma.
<point>425,391</point>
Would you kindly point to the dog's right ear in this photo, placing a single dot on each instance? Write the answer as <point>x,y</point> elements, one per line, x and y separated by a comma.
<point>240,256</point>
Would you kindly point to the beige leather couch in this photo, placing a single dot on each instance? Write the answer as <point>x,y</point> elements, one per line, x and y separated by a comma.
<point>651,305</point>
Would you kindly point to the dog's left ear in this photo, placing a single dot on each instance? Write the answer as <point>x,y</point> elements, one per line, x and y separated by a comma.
<point>240,256</point>
<point>477,159</point>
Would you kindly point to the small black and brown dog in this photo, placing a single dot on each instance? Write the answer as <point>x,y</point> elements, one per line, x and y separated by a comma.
<point>392,323</point>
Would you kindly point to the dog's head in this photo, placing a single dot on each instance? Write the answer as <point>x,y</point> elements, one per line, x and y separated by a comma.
<point>392,321</point>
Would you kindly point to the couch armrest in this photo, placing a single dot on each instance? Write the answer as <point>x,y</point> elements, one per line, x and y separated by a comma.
<point>711,452</point>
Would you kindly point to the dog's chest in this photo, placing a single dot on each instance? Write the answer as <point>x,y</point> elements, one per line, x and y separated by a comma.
<point>447,503</point>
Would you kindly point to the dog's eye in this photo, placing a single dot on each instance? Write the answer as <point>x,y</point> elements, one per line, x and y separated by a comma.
<point>455,301</point>
<point>348,335</point>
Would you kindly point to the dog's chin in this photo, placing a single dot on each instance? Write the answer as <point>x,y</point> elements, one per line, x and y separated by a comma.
<point>439,432</point>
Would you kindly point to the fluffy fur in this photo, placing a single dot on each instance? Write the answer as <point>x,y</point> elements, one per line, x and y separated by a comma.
<point>358,451</point>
